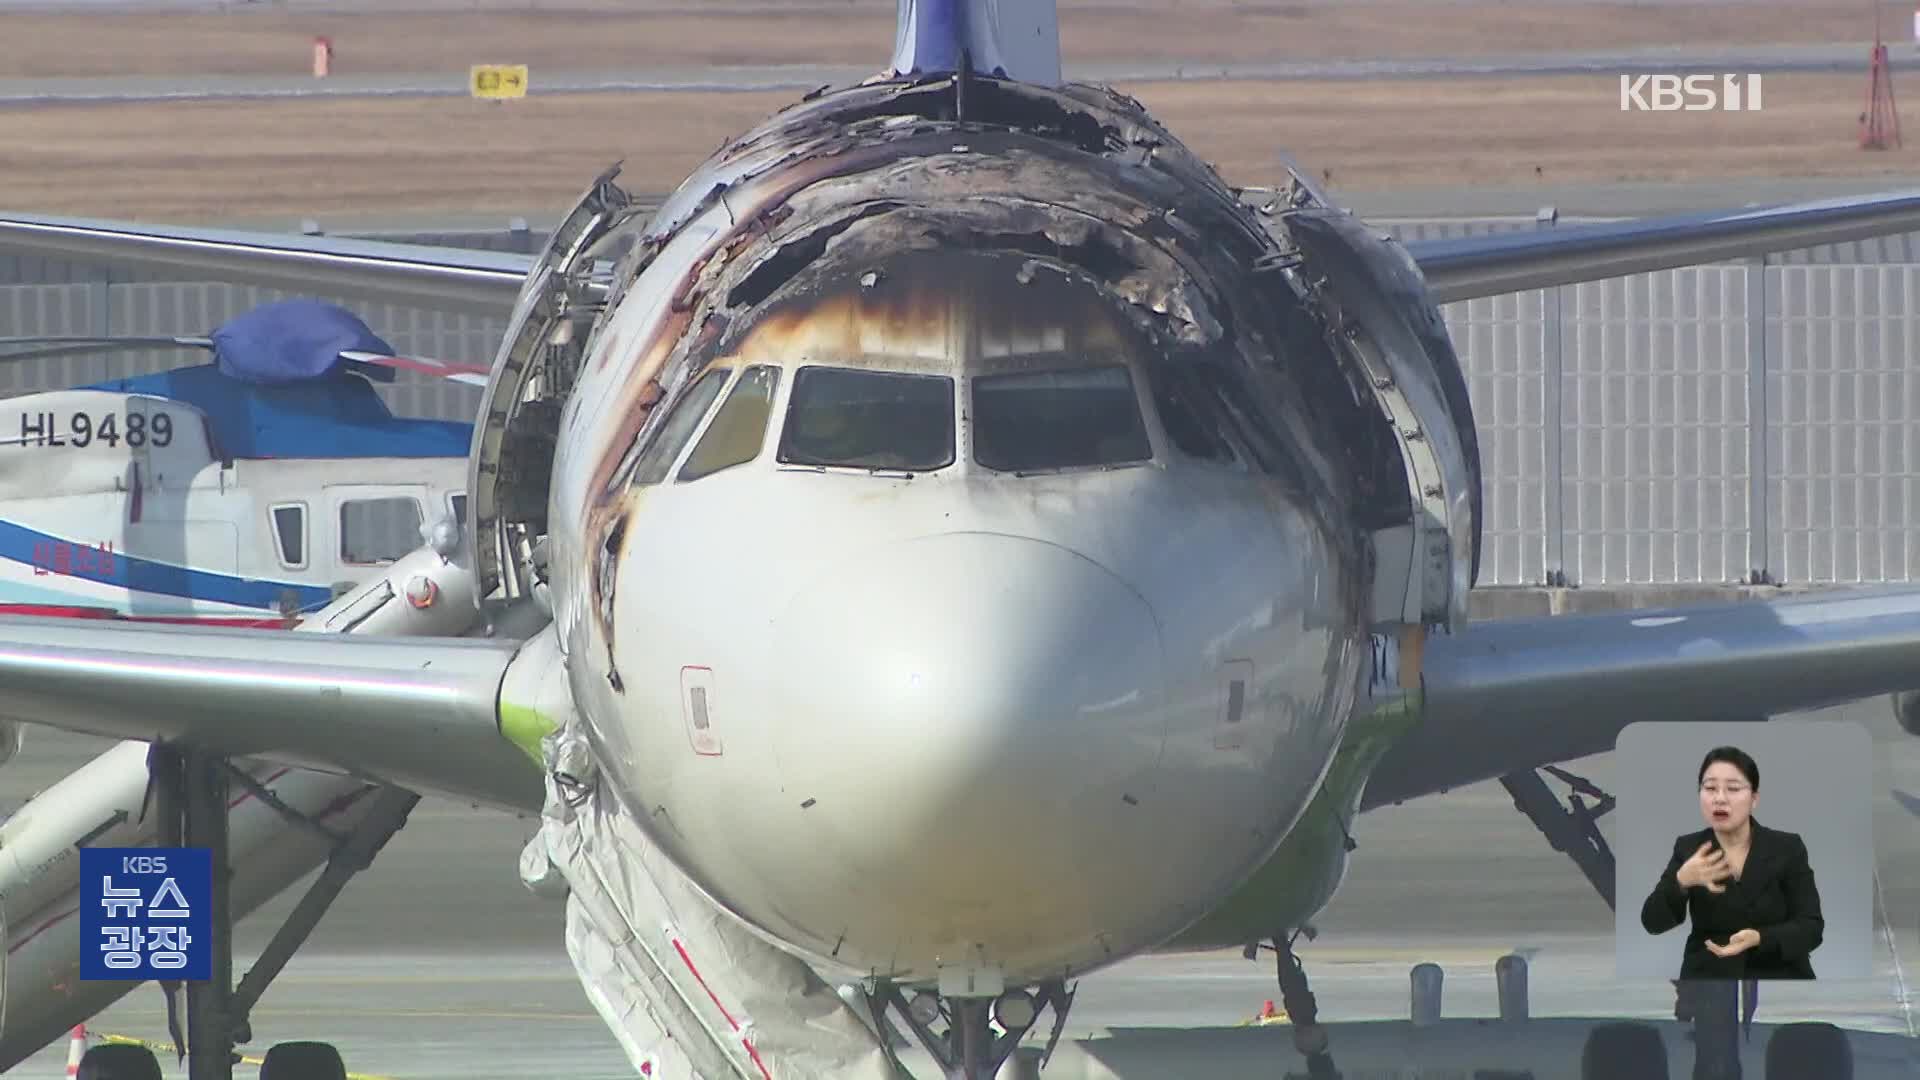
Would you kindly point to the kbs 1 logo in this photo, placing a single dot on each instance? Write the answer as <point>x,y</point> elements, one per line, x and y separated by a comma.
<point>1689,93</point>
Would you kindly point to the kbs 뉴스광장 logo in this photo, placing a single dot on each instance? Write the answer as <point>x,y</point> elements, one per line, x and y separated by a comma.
<point>144,913</point>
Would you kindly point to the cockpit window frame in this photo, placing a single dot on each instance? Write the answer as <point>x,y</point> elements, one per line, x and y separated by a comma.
<point>729,395</point>
<point>780,430</point>
<point>729,375</point>
<point>1145,415</point>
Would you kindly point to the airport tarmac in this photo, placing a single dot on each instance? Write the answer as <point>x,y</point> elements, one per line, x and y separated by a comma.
<point>1748,59</point>
<point>436,963</point>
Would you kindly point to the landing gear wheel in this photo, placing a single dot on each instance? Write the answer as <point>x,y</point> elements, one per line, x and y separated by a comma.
<point>118,1061</point>
<point>303,1061</point>
<point>1309,1037</point>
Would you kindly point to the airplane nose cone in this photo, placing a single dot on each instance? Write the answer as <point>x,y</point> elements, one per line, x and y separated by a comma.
<point>971,726</point>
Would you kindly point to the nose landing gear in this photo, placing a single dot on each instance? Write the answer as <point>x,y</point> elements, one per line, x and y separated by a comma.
<point>959,1033</point>
<point>1303,1012</point>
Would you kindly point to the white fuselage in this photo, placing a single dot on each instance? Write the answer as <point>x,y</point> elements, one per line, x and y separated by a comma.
<point>1017,624</point>
<point>953,717</point>
<point>969,719</point>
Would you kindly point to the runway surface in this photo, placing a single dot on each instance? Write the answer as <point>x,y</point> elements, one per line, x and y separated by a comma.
<point>1839,56</point>
<point>436,963</point>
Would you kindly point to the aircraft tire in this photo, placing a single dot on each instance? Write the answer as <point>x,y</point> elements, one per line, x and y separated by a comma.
<point>303,1061</point>
<point>118,1061</point>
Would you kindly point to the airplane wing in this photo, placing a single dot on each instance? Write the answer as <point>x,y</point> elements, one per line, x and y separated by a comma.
<point>436,277</point>
<point>1456,269</point>
<point>1515,694</point>
<point>419,713</point>
<point>1500,697</point>
<point>1490,265</point>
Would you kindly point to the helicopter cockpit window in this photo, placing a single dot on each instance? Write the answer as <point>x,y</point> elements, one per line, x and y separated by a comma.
<point>739,429</point>
<point>861,419</point>
<point>1037,421</point>
<point>679,427</point>
<point>378,530</point>
<point>290,533</point>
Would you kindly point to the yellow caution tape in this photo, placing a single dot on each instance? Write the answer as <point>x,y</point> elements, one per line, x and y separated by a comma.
<point>167,1048</point>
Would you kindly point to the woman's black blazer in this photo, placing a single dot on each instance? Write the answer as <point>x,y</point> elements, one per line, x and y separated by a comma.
<point>1775,895</point>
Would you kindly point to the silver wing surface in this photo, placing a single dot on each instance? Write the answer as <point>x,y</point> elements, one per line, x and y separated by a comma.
<point>436,277</point>
<point>1516,694</point>
<point>1455,269</point>
<point>414,712</point>
<point>420,713</point>
<point>1466,267</point>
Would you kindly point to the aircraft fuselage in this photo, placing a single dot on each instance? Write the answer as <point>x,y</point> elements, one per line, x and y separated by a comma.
<point>985,591</point>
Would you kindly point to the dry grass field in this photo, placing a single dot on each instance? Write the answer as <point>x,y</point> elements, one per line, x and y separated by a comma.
<point>207,161</point>
<point>257,161</point>
<point>268,38</point>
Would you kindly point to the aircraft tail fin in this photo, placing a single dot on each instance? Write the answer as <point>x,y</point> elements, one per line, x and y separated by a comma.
<point>1011,39</point>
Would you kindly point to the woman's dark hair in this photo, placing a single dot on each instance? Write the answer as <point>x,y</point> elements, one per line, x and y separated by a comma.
<point>1735,757</point>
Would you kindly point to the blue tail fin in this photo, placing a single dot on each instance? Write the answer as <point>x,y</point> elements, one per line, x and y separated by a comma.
<point>1009,39</point>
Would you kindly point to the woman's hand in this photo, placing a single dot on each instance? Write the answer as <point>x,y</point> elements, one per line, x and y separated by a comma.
<point>1707,868</point>
<point>1737,944</point>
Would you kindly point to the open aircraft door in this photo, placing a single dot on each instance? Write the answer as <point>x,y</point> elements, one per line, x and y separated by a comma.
<point>1378,314</point>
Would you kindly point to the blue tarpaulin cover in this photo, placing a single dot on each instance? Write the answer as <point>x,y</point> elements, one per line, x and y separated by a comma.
<point>273,392</point>
<point>294,340</point>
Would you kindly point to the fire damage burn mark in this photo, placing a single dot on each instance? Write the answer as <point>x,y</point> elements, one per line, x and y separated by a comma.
<point>793,256</point>
<point>828,251</point>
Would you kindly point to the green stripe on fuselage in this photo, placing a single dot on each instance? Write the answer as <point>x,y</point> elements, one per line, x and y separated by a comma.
<point>525,727</point>
<point>1292,886</point>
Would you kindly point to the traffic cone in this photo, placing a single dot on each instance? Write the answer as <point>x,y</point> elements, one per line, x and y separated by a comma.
<point>76,1049</point>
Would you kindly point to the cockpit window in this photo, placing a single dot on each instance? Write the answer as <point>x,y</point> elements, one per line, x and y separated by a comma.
<point>739,429</point>
<point>678,427</point>
<point>869,420</point>
<point>1057,420</point>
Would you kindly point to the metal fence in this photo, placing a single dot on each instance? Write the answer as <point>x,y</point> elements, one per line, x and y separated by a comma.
<point>196,308</point>
<point>1711,424</point>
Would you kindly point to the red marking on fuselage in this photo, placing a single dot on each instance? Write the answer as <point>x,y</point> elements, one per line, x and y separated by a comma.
<point>81,611</point>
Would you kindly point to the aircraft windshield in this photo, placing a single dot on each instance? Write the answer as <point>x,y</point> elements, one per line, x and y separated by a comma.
<point>1057,420</point>
<point>869,420</point>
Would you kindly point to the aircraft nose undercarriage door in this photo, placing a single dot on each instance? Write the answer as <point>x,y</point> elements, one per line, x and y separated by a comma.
<point>1376,301</point>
